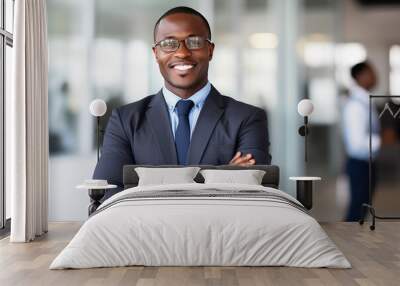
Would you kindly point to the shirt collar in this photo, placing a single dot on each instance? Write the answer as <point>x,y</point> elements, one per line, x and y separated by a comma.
<point>359,93</point>
<point>198,98</point>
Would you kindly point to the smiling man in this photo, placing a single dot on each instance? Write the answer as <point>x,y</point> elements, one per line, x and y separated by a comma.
<point>188,121</point>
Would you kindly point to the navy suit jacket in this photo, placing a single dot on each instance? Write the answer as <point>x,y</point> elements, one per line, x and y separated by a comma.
<point>140,133</point>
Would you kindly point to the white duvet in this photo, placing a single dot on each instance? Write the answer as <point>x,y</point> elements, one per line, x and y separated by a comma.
<point>183,231</point>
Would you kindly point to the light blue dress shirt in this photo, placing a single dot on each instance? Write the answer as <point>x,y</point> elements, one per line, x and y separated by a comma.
<point>356,125</point>
<point>198,99</point>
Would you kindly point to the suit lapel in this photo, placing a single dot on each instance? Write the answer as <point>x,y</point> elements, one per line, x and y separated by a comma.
<point>160,123</point>
<point>208,118</point>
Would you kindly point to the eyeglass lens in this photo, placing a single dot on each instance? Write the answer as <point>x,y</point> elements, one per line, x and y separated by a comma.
<point>192,43</point>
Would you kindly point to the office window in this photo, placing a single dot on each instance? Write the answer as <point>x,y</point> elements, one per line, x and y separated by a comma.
<point>6,43</point>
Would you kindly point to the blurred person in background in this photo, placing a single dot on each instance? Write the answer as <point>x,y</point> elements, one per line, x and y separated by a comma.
<point>61,118</point>
<point>356,137</point>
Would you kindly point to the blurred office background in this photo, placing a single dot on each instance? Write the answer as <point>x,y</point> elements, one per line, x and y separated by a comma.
<point>270,53</point>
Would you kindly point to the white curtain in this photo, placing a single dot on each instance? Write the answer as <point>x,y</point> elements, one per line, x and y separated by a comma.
<point>27,123</point>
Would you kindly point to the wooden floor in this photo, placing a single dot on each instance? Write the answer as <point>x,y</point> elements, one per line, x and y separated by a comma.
<point>375,257</point>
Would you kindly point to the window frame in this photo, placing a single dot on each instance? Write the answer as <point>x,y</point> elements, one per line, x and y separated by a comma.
<point>6,39</point>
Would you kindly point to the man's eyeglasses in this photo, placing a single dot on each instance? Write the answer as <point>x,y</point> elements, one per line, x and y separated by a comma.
<point>192,43</point>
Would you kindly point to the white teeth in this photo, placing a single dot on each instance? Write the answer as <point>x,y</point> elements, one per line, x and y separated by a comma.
<point>183,67</point>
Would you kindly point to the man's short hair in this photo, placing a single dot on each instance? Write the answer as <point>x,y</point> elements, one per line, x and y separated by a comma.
<point>184,10</point>
<point>359,68</point>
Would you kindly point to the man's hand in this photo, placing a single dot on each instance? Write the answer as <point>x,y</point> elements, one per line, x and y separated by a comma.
<point>240,160</point>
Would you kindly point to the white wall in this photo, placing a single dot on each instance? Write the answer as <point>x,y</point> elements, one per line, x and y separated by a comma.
<point>66,203</point>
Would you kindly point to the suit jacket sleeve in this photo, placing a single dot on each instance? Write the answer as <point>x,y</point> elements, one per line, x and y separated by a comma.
<point>254,138</point>
<point>115,153</point>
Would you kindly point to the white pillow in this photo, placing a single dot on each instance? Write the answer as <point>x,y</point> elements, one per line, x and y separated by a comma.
<point>248,177</point>
<point>165,176</point>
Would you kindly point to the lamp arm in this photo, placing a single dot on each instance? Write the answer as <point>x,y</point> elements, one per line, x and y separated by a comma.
<point>305,137</point>
<point>98,137</point>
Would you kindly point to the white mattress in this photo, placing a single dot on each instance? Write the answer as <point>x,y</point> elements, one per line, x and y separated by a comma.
<point>190,230</point>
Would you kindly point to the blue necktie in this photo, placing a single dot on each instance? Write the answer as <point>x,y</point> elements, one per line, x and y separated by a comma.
<point>182,134</point>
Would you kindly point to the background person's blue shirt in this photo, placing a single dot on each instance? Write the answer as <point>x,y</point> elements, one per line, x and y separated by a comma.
<point>356,125</point>
<point>198,99</point>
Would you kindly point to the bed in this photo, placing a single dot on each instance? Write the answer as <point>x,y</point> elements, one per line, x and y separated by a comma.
<point>201,224</point>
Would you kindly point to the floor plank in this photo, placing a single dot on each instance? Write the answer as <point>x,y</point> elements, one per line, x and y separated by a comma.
<point>375,257</point>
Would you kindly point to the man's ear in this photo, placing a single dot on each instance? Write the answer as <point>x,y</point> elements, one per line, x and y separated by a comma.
<point>210,51</point>
<point>155,53</point>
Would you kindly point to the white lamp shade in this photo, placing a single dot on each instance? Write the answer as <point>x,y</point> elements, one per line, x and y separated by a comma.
<point>98,107</point>
<point>396,100</point>
<point>305,107</point>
